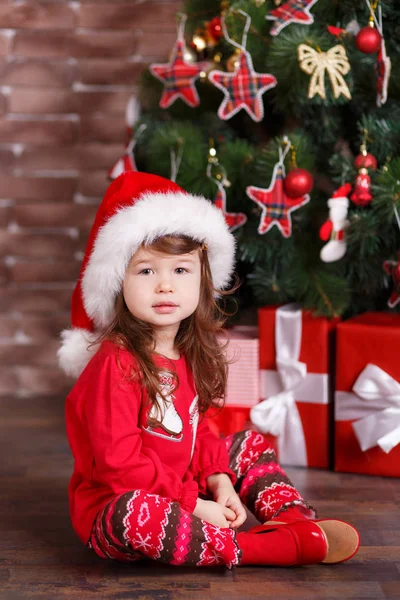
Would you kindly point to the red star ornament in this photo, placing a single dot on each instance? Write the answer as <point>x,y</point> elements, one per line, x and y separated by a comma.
<point>242,89</point>
<point>392,267</point>
<point>293,11</point>
<point>275,204</point>
<point>233,220</point>
<point>178,77</point>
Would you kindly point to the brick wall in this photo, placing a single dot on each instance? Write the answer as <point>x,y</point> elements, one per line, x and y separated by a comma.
<point>67,71</point>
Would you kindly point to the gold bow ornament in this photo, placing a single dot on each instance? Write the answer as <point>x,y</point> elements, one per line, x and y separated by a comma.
<point>315,62</point>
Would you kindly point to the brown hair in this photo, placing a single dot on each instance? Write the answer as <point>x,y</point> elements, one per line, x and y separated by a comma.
<point>196,337</point>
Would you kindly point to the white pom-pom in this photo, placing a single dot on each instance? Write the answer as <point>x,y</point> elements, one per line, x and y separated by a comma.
<point>73,354</point>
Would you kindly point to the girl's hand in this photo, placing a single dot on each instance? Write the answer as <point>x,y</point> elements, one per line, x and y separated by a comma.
<point>224,494</point>
<point>213,513</point>
<point>228,498</point>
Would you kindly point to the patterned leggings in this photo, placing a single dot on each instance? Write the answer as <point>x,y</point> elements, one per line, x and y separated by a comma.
<point>138,525</point>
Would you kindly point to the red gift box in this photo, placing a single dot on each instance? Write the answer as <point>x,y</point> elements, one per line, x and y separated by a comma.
<point>298,419</point>
<point>229,420</point>
<point>367,400</point>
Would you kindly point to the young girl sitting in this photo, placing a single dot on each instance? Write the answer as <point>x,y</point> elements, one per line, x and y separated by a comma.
<point>150,479</point>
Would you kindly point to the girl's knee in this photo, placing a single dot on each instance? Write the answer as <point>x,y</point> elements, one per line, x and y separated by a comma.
<point>255,440</point>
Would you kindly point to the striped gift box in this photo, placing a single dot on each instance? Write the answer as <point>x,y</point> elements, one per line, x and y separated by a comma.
<point>243,389</point>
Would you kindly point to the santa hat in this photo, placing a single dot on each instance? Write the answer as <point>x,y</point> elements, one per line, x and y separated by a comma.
<point>137,208</point>
<point>340,196</point>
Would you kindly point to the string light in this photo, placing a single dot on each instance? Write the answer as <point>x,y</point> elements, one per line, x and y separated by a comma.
<point>199,42</point>
<point>214,164</point>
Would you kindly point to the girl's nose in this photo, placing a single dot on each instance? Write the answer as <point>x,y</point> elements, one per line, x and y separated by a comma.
<point>164,285</point>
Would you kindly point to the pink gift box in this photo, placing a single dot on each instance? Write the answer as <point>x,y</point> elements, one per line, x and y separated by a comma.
<point>243,389</point>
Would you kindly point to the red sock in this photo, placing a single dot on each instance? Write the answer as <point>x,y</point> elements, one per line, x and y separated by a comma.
<point>278,547</point>
<point>294,513</point>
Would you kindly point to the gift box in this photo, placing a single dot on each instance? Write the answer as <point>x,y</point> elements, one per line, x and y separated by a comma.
<point>243,353</point>
<point>243,385</point>
<point>229,419</point>
<point>296,349</point>
<point>367,400</point>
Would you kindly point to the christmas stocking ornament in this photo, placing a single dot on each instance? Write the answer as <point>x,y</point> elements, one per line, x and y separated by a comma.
<point>334,228</point>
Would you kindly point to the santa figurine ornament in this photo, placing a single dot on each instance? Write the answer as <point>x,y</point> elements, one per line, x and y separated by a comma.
<point>334,228</point>
<point>362,186</point>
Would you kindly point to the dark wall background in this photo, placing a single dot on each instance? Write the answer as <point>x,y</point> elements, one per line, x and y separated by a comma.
<point>67,71</point>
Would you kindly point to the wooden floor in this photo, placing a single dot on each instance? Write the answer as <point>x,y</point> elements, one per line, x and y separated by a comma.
<point>40,557</point>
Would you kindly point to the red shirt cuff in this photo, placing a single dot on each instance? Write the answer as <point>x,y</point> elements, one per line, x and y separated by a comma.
<point>211,470</point>
<point>190,493</point>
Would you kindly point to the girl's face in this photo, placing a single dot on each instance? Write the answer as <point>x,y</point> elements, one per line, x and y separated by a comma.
<point>162,289</point>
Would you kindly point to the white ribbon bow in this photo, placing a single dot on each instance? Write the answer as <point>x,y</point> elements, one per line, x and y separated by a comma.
<point>315,63</point>
<point>278,414</point>
<point>376,407</point>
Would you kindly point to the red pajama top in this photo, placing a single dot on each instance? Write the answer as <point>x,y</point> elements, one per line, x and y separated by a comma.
<point>117,448</point>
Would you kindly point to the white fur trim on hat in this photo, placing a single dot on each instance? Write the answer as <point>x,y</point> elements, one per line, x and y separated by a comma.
<point>73,354</point>
<point>152,216</point>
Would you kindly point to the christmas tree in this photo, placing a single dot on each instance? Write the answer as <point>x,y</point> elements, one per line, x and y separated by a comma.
<point>286,115</point>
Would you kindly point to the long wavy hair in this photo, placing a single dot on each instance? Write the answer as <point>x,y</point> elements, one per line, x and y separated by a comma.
<point>196,337</point>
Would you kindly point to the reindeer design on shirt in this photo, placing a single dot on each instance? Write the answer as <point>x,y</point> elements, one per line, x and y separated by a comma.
<point>163,419</point>
<point>163,414</point>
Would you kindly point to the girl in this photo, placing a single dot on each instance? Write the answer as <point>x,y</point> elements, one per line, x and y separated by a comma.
<point>150,479</point>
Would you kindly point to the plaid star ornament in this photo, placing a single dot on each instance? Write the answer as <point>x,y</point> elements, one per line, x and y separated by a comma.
<point>178,77</point>
<point>275,204</point>
<point>293,11</point>
<point>233,220</point>
<point>242,89</point>
<point>392,268</point>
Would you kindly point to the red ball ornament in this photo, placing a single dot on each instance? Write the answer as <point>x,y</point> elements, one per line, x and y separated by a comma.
<point>366,161</point>
<point>214,28</point>
<point>298,182</point>
<point>368,40</point>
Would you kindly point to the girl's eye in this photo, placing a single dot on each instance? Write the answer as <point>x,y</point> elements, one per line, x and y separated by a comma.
<point>178,270</point>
